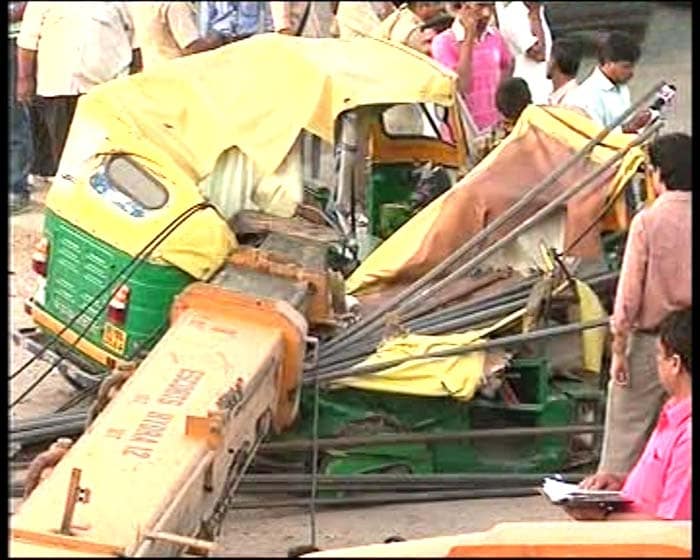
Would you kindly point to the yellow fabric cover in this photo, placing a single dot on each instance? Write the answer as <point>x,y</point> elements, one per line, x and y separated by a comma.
<point>459,376</point>
<point>387,260</point>
<point>593,340</point>
<point>257,94</point>
<point>456,376</point>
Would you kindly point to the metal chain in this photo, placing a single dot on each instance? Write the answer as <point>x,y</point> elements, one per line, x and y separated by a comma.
<point>212,525</point>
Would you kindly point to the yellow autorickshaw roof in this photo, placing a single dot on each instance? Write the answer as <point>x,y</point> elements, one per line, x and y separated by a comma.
<point>257,94</point>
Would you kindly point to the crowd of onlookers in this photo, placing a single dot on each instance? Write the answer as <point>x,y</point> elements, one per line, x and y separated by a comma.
<point>502,52</point>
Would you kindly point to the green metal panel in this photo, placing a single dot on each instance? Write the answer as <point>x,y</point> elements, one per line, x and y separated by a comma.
<point>389,184</point>
<point>543,403</point>
<point>81,265</point>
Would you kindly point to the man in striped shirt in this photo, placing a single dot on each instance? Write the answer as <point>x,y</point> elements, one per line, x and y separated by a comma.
<point>477,52</point>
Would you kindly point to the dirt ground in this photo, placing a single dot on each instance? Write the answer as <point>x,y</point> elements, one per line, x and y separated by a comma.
<point>271,532</point>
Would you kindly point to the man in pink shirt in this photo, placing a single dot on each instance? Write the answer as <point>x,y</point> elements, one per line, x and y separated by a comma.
<point>655,279</point>
<point>660,483</point>
<point>477,52</point>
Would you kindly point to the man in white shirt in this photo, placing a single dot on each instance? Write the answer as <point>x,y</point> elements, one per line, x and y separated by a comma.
<point>167,30</point>
<point>525,29</point>
<point>562,69</point>
<point>64,49</point>
<point>604,95</point>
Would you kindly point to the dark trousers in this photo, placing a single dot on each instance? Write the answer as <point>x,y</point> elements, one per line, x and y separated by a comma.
<point>52,117</point>
<point>20,148</point>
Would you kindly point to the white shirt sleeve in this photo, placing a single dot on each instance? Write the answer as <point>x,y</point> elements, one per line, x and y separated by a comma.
<point>182,21</point>
<point>514,25</point>
<point>128,20</point>
<point>32,21</point>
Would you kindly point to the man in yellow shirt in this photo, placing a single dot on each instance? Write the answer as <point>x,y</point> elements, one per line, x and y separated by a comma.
<point>404,25</point>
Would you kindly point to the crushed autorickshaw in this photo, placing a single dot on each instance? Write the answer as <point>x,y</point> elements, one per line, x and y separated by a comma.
<point>165,204</point>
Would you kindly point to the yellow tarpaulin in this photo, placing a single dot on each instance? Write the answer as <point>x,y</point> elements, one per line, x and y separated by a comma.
<point>540,142</point>
<point>593,340</point>
<point>257,94</point>
<point>460,376</point>
<point>457,376</point>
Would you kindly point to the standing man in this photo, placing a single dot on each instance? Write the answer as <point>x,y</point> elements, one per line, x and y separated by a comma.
<point>477,52</point>
<point>234,20</point>
<point>562,69</point>
<point>403,25</point>
<point>525,29</point>
<point>167,30</point>
<point>306,19</point>
<point>360,19</point>
<point>21,150</point>
<point>64,49</point>
<point>604,95</point>
<point>655,280</point>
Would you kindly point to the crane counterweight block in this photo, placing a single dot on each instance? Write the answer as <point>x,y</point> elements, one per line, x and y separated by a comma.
<point>161,460</point>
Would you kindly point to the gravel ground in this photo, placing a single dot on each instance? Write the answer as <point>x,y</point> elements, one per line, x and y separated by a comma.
<point>271,532</point>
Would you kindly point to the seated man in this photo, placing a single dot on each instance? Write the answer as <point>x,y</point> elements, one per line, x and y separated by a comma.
<point>512,96</point>
<point>659,485</point>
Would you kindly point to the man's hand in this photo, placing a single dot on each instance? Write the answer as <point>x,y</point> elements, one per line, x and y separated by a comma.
<point>26,89</point>
<point>639,121</point>
<point>603,481</point>
<point>468,17</point>
<point>619,370</point>
<point>588,512</point>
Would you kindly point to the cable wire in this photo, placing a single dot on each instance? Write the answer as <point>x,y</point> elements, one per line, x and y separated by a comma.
<point>314,464</point>
<point>136,261</point>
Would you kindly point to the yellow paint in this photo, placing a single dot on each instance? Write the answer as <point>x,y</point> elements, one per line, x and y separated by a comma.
<point>577,536</point>
<point>137,455</point>
<point>114,338</point>
<point>175,121</point>
<point>86,347</point>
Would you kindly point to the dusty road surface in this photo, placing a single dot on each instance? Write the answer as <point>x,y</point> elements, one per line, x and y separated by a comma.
<point>271,532</point>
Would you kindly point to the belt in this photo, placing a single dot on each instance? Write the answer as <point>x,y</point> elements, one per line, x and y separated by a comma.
<point>651,332</point>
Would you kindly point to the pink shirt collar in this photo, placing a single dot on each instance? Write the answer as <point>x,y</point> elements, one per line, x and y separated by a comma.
<point>676,412</point>
<point>675,195</point>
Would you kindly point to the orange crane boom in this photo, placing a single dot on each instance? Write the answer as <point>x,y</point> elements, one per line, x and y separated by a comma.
<point>150,472</point>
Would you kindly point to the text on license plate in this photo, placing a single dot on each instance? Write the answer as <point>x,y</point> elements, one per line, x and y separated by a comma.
<point>114,337</point>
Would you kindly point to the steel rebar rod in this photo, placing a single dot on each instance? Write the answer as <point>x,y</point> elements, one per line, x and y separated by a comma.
<point>391,498</point>
<point>549,208</point>
<point>383,478</point>
<point>492,343</point>
<point>358,328</point>
<point>436,327</point>
<point>360,350</point>
<point>37,435</point>
<point>44,421</point>
<point>388,439</point>
<point>435,323</point>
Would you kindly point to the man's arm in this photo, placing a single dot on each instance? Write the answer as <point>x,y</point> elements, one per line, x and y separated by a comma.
<point>136,62</point>
<point>182,22</point>
<point>522,29</point>
<point>464,62</point>
<point>282,17</point>
<point>628,298</point>
<point>27,47</point>
<point>16,11</point>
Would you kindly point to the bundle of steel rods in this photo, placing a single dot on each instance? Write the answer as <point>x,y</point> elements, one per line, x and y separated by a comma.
<point>430,283</point>
<point>452,319</point>
<point>47,428</point>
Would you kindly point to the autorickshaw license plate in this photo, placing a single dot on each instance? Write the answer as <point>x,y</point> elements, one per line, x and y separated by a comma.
<point>115,338</point>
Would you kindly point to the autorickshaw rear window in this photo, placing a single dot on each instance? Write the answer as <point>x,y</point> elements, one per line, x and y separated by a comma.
<point>128,178</point>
